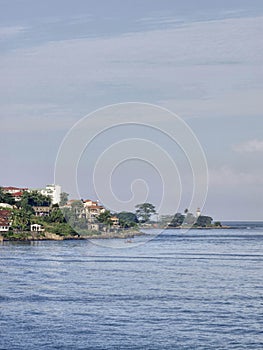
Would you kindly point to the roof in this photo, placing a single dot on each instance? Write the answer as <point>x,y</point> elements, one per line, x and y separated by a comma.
<point>4,217</point>
<point>14,188</point>
<point>95,207</point>
<point>5,213</point>
<point>17,194</point>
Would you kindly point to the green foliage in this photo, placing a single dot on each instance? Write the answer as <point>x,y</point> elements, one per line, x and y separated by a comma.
<point>144,211</point>
<point>127,219</point>
<point>63,198</point>
<point>34,198</point>
<point>21,219</point>
<point>204,221</point>
<point>56,215</point>
<point>61,229</point>
<point>190,219</point>
<point>177,220</point>
<point>6,197</point>
<point>105,218</point>
<point>218,224</point>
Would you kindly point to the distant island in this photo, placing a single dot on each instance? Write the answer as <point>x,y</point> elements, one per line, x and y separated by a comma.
<point>48,214</point>
<point>191,221</point>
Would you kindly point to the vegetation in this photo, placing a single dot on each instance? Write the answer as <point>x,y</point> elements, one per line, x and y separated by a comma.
<point>144,212</point>
<point>127,219</point>
<point>34,198</point>
<point>177,220</point>
<point>105,218</point>
<point>67,220</point>
<point>204,221</point>
<point>6,197</point>
<point>190,220</point>
<point>63,198</point>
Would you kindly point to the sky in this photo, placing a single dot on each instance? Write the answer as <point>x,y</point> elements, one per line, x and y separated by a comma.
<point>200,59</point>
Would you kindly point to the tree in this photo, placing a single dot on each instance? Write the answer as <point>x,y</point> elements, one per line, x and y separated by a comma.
<point>218,224</point>
<point>34,198</point>
<point>127,219</point>
<point>189,219</point>
<point>144,211</point>
<point>177,220</point>
<point>204,221</point>
<point>21,219</point>
<point>56,216</point>
<point>105,218</point>
<point>6,197</point>
<point>63,198</point>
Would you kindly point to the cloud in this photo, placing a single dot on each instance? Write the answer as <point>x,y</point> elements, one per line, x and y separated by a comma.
<point>235,103</point>
<point>11,31</point>
<point>250,146</point>
<point>227,177</point>
<point>189,69</point>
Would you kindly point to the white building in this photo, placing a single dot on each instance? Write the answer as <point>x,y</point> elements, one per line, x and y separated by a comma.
<point>52,191</point>
<point>36,228</point>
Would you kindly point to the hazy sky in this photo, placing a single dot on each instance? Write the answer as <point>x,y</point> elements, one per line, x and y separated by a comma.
<point>203,60</point>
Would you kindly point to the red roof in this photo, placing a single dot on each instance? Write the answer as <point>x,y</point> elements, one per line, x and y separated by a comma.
<point>14,188</point>
<point>4,213</point>
<point>4,222</point>
<point>17,194</point>
<point>95,207</point>
<point>4,217</point>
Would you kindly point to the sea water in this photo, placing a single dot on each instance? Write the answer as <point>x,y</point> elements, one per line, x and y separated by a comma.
<point>196,290</point>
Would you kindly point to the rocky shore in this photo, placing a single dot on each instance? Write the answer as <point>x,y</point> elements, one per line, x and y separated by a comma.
<point>48,236</point>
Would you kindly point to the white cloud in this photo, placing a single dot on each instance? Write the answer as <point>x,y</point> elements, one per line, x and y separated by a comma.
<point>7,32</point>
<point>226,177</point>
<point>249,146</point>
<point>202,69</point>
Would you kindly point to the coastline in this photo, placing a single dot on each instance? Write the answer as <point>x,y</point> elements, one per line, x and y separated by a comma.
<point>48,236</point>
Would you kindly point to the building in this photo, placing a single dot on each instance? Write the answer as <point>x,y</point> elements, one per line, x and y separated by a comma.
<point>198,212</point>
<point>36,228</point>
<point>16,192</point>
<point>52,191</point>
<point>115,221</point>
<point>92,209</point>
<point>41,211</point>
<point>6,206</point>
<point>13,190</point>
<point>5,219</point>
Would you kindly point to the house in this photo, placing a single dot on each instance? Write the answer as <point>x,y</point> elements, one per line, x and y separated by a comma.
<point>16,192</point>
<point>5,219</point>
<point>89,202</point>
<point>6,206</point>
<point>13,190</point>
<point>17,195</point>
<point>77,206</point>
<point>115,221</point>
<point>41,210</point>
<point>92,211</point>
<point>36,228</point>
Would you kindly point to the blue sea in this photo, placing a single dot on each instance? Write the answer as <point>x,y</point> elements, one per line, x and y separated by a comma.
<point>196,290</point>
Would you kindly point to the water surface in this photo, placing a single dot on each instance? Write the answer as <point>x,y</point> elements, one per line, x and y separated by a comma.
<point>199,290</point>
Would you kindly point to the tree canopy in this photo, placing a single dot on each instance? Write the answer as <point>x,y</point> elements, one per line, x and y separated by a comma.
<point>127,219</point>
<point>144,211</point>
<point>6,197</point>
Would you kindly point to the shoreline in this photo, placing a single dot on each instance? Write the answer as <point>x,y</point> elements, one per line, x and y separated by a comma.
<point>48,236</point>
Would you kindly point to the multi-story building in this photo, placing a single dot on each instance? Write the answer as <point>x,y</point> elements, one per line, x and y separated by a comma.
<point>92,209</point>
<point>52,191</point>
